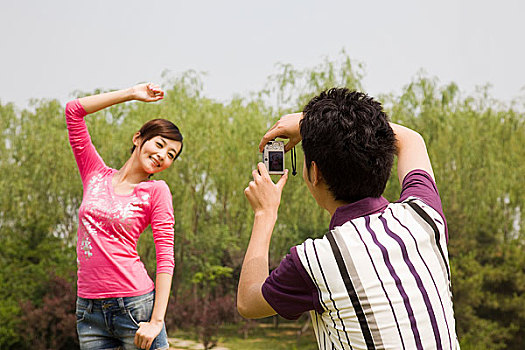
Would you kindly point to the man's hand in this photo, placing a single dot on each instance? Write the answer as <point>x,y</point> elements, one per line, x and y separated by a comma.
<point>147,333</point>
<point>286,128</point>
<point>263,195</point>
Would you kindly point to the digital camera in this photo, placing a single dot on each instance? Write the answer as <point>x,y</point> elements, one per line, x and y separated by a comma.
<point>273,157</point>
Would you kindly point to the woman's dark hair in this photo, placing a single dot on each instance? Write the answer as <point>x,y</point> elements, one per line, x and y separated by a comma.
<point>348,136</point>
<point>160,127</point>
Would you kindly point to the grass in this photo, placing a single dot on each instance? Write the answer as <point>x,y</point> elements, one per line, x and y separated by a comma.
<point>261,336</point>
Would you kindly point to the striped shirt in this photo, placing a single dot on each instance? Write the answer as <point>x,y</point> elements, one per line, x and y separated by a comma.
<point>379,279</point>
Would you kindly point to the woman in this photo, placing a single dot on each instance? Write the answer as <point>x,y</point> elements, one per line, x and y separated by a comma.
<point>118,306</point>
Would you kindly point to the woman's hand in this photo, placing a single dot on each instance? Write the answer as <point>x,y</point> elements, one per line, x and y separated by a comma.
<point>148,92</point>
<point>287,128</point>
<point>147,333</point>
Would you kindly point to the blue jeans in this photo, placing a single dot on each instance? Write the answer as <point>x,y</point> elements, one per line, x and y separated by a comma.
<point>112,323</point>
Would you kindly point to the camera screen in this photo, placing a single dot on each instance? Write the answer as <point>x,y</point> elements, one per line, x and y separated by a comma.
<point>276,161</point>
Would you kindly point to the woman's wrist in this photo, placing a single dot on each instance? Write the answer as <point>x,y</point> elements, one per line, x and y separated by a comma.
<point>130,94</point>
<point>156,320</point>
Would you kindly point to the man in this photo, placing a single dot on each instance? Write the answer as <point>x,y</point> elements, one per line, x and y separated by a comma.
<point>380,278</point>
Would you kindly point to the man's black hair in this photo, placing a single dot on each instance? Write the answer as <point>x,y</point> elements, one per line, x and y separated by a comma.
<point>348,136</point>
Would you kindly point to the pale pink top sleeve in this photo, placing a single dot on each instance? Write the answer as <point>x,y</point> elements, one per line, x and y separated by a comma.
<point>88,160</point>
<point>162,222</point>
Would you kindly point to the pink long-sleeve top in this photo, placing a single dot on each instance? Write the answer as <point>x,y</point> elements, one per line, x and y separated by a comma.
<point>110,224</point>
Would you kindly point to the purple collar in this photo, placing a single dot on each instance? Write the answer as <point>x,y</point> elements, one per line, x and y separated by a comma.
<point>363,207</point>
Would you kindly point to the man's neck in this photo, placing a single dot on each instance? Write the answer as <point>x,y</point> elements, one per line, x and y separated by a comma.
<point>325,199</point>
<point>334,205</point>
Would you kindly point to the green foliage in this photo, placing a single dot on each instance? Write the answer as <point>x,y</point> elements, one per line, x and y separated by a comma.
<point>211,274</point>
<point>475,144</point>
<point>37,210</point>
<point>10,313</point>
<point>476,148</point>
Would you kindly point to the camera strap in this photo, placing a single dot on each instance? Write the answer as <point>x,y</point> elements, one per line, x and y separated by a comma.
<point>293,155</point>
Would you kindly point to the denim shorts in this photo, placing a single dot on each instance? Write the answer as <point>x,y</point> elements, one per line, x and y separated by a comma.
<point>112,323</point>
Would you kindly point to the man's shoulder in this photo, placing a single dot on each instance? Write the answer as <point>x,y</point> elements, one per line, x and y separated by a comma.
<point>315,252</point>
<point>314,245</point>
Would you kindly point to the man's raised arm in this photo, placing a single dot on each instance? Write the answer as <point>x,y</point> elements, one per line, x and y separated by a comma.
<point>411,152</point>
<point>264,197</point>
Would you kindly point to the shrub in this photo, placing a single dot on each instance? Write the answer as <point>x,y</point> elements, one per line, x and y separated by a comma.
<point>202,315</point>
<point>52,325</point>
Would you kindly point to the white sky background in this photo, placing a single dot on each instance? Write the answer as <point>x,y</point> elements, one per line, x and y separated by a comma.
<point>51,48</point>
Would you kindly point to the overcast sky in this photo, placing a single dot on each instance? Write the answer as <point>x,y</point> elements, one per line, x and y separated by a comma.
<point>51,48</point>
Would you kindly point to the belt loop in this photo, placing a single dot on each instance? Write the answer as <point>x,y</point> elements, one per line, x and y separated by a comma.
<point>90,306</point>
<point>121,304</point>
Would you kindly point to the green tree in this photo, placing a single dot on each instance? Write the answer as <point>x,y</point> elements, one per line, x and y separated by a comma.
<point>475,144</point>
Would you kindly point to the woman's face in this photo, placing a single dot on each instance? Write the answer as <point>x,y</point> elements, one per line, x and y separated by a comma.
<point>158,153</point>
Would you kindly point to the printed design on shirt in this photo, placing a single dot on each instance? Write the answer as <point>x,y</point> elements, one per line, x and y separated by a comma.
<point>96,185</point>
<point>86,247</point>
<point>86,231</point>
<point>105,213</point>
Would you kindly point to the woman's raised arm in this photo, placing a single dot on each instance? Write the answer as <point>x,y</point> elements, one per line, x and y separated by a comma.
<point>143,92</point>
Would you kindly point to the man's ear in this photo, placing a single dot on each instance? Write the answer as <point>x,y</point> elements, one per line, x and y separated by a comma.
<point>316,176</point>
